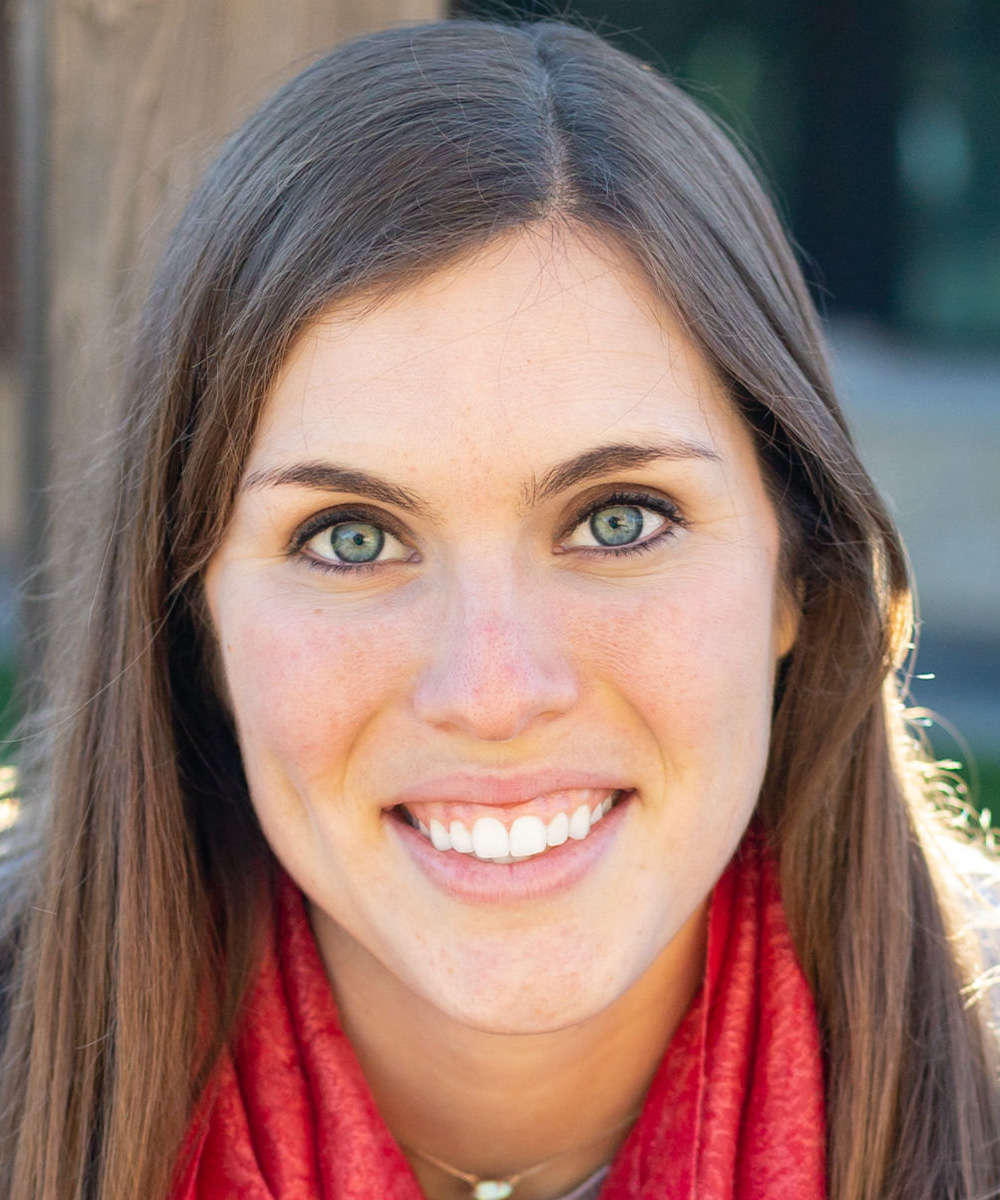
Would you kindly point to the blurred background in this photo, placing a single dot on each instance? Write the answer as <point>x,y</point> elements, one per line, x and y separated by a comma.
<point>876,121</point>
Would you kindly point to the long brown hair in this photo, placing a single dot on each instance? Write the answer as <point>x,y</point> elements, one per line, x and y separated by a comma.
<point>132,933</point>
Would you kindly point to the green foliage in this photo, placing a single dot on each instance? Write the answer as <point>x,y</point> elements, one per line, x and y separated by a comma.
<point>7,712</point>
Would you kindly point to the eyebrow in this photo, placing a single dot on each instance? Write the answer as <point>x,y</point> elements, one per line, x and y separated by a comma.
<point>591,464</point>
<point>603,460</point>
<point>327,477</point>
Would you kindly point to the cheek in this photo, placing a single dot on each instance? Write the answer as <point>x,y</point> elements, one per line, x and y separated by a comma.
<point>304,685</point>
<point>694,660</point>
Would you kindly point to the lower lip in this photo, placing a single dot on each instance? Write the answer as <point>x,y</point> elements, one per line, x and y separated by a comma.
<point>468,878</point>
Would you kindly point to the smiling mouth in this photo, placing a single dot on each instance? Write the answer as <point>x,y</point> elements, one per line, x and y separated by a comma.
<point>527,836</point>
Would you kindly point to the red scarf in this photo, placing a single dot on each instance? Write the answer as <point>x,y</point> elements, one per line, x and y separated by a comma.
<point>735,1111</point>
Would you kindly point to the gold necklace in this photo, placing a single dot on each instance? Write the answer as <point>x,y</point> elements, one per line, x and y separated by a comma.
<point>501,1188</point>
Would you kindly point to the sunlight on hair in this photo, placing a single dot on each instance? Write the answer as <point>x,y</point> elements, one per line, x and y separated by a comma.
<point>942,780</point>
<point>10,808</point>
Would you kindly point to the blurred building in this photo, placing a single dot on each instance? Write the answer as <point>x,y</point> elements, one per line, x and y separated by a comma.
<point>877,123</point>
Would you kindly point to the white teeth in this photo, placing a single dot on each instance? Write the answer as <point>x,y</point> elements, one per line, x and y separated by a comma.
<point>439,836</point>
<point>489,839</point>
<point>461,839</point>
<point>557,830</point>
<point>527,836</point>
<point>579,823</point>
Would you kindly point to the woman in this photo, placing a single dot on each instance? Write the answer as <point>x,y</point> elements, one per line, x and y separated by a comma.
<point>478,768</point>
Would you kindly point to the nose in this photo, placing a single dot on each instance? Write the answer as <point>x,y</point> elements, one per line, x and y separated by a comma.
<point>496,667</point>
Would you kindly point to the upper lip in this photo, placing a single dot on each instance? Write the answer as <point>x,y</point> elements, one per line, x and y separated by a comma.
<point>513,788</point>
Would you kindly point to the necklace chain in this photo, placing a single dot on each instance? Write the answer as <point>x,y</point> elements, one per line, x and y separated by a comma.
<point>482,1188</point>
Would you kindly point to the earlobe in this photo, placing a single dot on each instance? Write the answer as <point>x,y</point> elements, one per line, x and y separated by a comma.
<point>788,616</point>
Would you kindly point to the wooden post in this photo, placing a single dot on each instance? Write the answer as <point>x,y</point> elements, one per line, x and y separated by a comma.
<point>137,95</point>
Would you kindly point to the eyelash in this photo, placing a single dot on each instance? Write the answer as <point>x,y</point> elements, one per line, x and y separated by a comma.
<point>658,504</point>
<point>338,516</point>
<point>331,517</point>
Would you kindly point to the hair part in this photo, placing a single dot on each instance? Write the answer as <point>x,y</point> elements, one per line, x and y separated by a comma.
<point>137,926</point>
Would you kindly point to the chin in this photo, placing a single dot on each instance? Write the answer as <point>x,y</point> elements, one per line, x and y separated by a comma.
<point>528,1010</point>
<point>530,993</point>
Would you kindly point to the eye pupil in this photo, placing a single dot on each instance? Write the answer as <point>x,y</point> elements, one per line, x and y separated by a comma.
<point>616,525</point>
<point>357,541</point>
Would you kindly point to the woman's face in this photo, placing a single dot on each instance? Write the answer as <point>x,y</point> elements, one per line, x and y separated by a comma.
<point>503,558</point>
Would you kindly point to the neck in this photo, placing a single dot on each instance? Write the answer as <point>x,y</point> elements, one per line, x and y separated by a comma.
<point>493,1104</point>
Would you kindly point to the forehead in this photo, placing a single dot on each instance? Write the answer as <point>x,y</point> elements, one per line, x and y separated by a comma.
<point>531,349</point>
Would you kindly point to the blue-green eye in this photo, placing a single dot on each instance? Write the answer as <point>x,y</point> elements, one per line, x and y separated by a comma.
<point>350,543</point>
<point>618,525</point>
<point>356,541</point>
<point>624,523</point>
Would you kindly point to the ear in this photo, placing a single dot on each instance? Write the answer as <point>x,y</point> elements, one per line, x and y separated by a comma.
<point>788,616</point>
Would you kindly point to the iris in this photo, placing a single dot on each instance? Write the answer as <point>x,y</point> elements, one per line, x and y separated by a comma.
<point>357,541</point>
<point>616,526</point>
